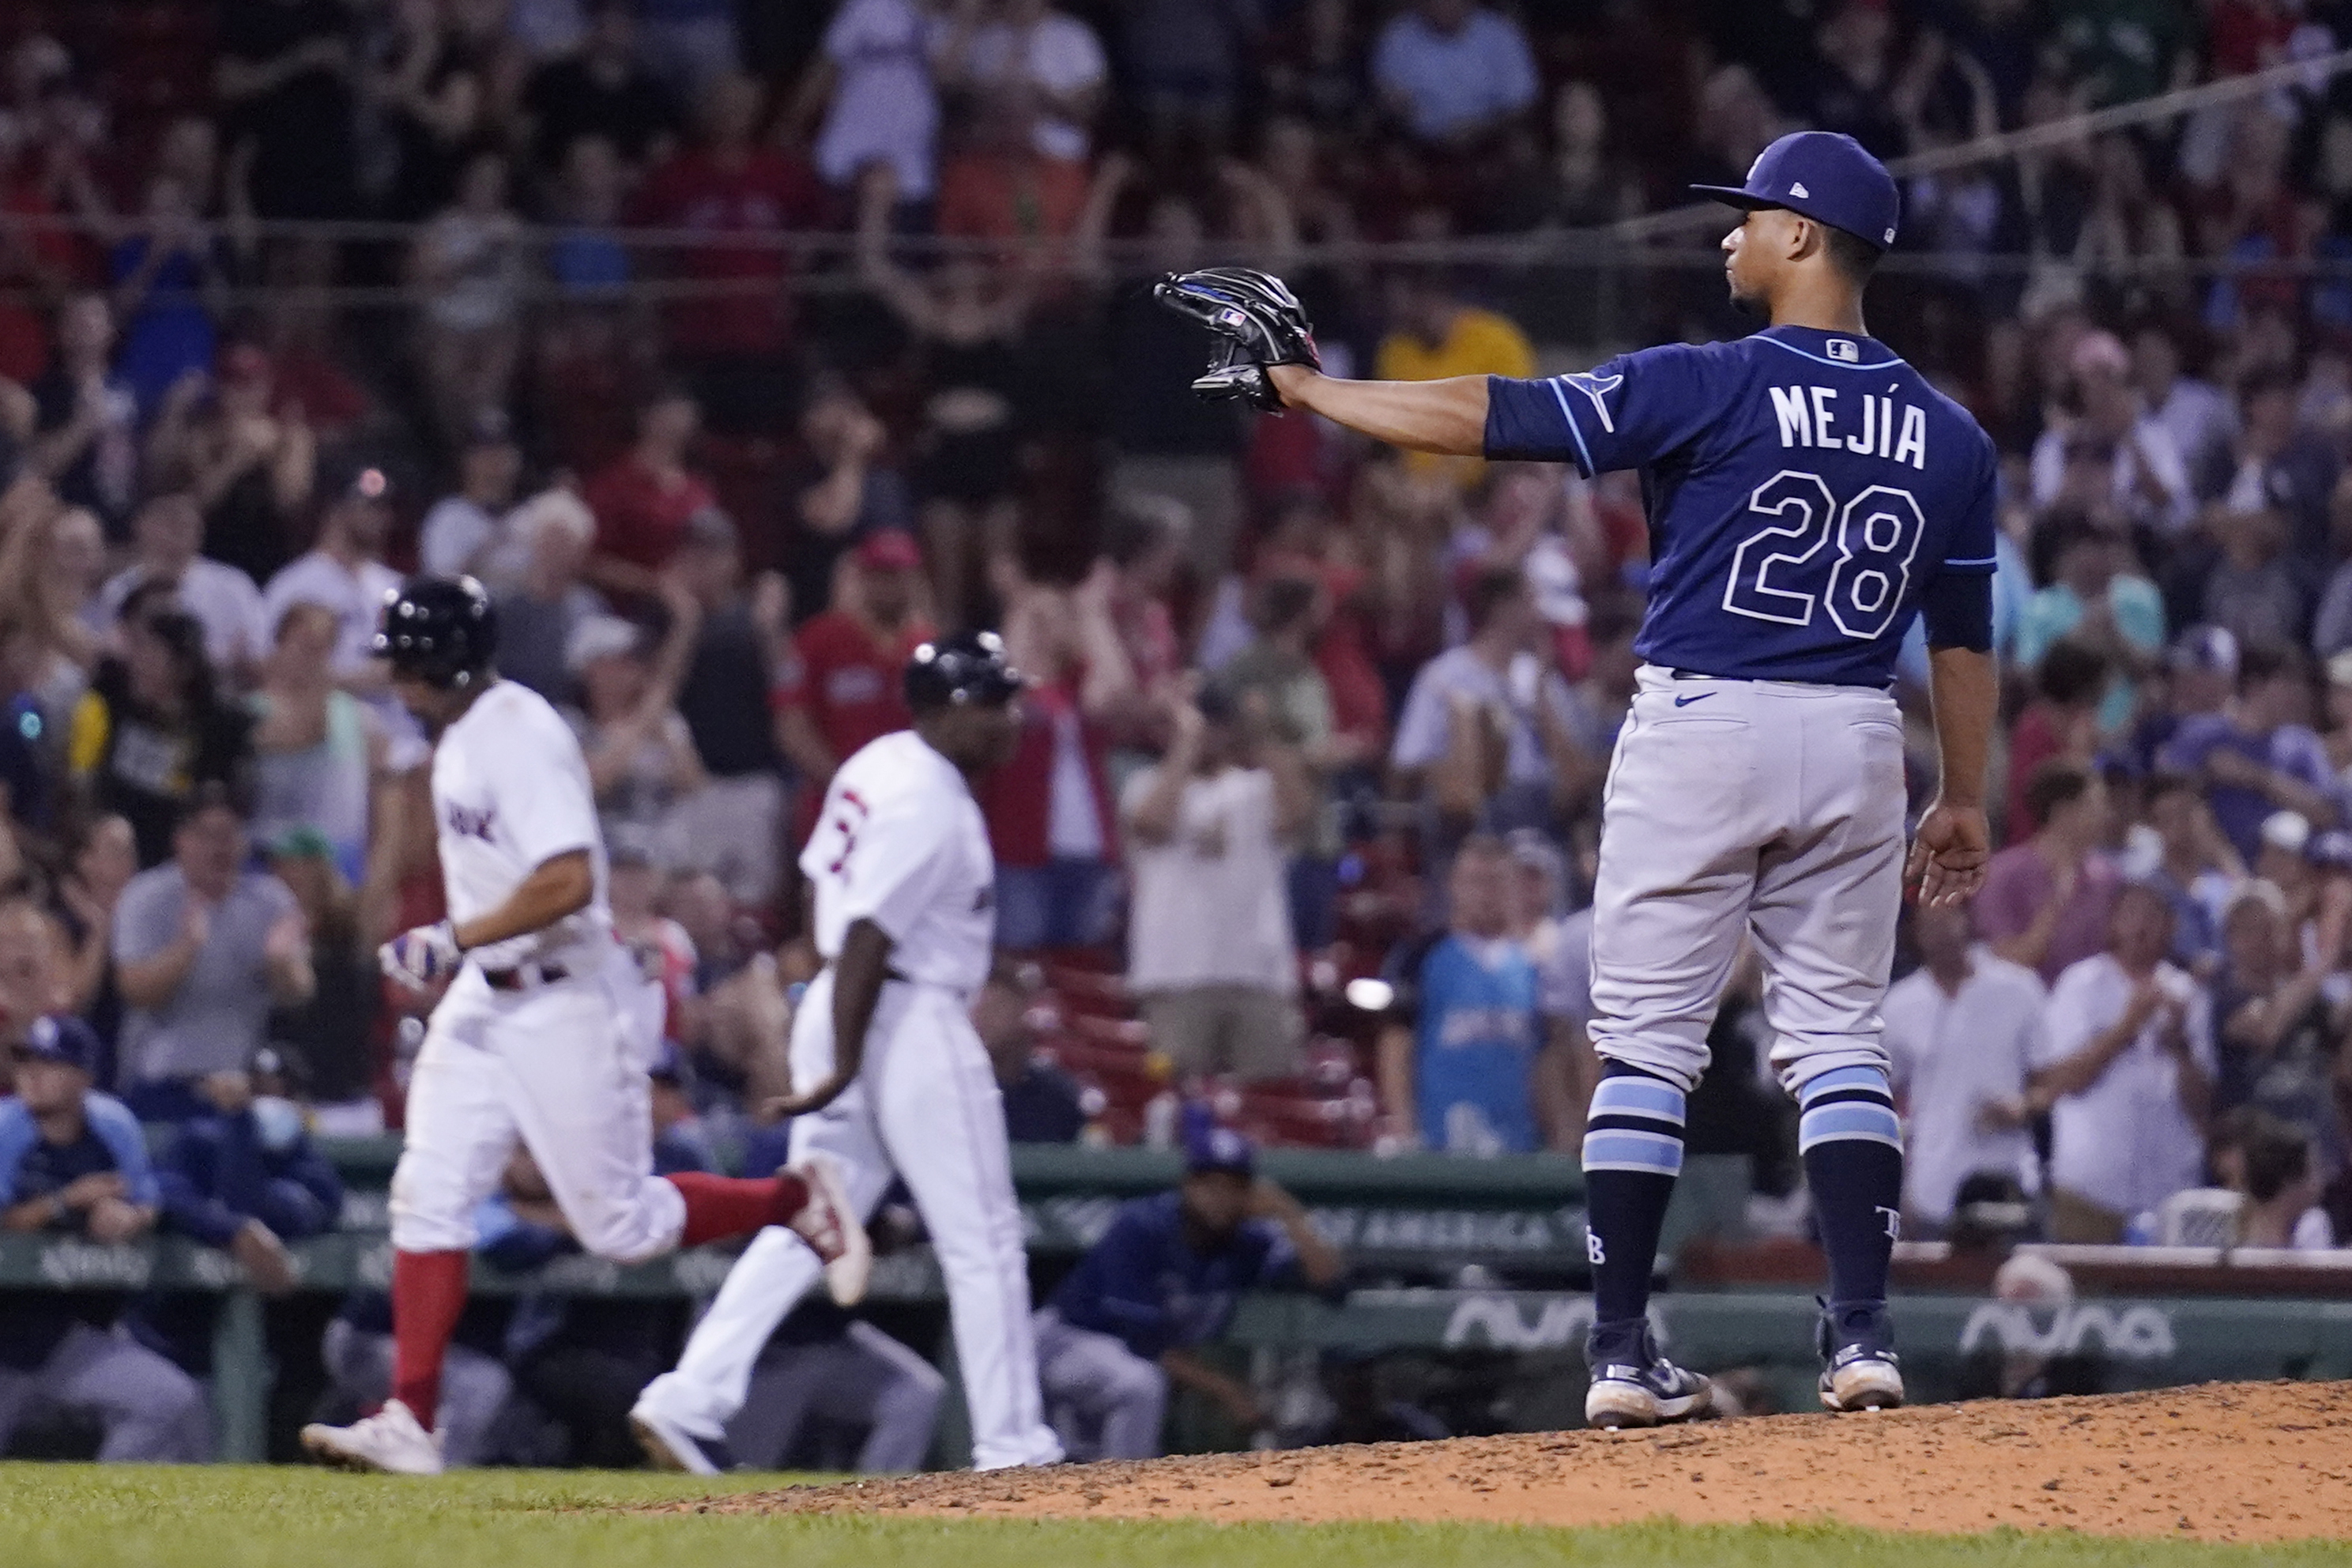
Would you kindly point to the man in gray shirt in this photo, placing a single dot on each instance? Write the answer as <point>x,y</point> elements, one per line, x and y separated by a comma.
<point>202,949</point>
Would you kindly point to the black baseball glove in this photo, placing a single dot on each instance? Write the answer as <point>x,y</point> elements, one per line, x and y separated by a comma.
<point>1258,322</point>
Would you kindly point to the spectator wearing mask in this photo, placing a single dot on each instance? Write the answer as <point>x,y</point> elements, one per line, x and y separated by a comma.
<point>1163,1282</point>
<point>734,824</point>
<point>1455,73</point>
<point>1467,1062</point>
<point>2045,902</point>
<point>839,687</point>
<point>203,948</point>
<point>641,756</point>
<point>2096,599</point>
<point>153,729</point>
<point>465,534</point>
<point>318,750</point>
<point>165,535</point>
<point>2276,1032</point>
<point>73,1161</point>
<point>2124,1061</point>
<point>345,572</point>
<point>2258,756</point>
<point>1051,814</point>
<point>1961,1033</point>
<point>645,501</point>
<point>1211,956</point>
<point>1486,737</point>
<point>2131,464</point>
<point>243,1177</point>
<point>1043,1104</point>
<point>539,611</point>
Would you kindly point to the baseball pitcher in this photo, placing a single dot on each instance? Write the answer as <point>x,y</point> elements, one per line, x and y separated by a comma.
<point>1808,494</point>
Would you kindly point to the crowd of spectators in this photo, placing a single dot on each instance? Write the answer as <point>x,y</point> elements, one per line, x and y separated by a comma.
<point>738,355</point>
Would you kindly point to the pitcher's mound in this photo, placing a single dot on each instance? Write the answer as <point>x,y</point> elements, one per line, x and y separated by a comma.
<point>2225,1462</point>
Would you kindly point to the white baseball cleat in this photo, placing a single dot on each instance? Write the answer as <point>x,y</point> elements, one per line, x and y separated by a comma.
<point>829,1223</point>
<point>671,1446</point>
<point>1859,1377</point>
<point>390,1442</point>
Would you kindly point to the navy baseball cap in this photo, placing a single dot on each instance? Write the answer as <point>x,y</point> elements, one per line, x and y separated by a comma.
<point>1219,1149</point>
<point>62,1038</point>
<point>1824,176</point>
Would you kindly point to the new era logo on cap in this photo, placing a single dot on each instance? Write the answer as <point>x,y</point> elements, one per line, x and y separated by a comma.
<point>1825,176</point>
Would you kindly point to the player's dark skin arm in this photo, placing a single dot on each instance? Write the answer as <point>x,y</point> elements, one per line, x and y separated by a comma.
<point>1949,851</point>
<point>1446,417</point>
<point>559,887</point>
<point>1189,1371</point>
<point>858,976</point>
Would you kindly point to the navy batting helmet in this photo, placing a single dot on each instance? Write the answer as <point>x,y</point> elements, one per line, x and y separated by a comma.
<point>970,667</point>
<point>441,630</point>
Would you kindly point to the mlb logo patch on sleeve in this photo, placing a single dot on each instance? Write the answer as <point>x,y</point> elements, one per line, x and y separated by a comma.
<point>1844,349</point>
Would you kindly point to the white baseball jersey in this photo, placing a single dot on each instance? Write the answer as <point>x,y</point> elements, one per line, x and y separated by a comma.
<point>510,793</point>
<point>901,843</point>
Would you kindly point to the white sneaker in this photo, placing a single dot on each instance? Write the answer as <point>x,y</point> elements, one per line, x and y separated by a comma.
<point>390,1442</point>
<point>829,1223</point>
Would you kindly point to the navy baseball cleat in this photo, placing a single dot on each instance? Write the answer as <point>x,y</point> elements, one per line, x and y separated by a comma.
<point>1634,1385</point>
<point>1859,1371</point>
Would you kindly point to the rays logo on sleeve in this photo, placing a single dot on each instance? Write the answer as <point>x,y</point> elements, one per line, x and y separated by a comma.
<point>1597,387</point>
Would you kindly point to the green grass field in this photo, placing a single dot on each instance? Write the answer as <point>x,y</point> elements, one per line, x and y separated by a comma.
<point>61,1516</point>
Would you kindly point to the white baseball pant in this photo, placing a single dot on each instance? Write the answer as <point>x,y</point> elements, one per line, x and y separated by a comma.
<point>1768,808</point>
<point>925,1108</point>
<point>562,1068</point>
<point>860,1377</point>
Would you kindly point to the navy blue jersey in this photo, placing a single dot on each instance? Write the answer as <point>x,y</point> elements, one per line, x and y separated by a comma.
<point>1803,487</point>
<point>1144,1285</point>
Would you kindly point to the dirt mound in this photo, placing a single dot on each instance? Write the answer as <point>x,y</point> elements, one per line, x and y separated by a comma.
<point>2225,1462</point>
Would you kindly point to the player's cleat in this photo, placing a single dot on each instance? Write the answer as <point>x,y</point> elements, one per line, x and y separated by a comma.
<point>671,1446</point>
<point>1859,1370</point>
<point>829,1223</point>
<point>1634,1385</point>
<point>391,1442</point>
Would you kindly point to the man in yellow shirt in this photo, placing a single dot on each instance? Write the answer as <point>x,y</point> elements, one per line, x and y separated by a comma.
<point>1436,335</point>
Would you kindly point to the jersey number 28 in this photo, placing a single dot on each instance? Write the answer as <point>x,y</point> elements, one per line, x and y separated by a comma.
<point>1786,571</point>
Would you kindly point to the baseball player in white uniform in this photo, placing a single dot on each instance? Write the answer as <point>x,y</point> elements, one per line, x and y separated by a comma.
<point>900,1084</point>
<point>540,1032</point>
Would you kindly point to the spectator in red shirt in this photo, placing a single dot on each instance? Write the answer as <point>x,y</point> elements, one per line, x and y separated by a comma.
<point>841,688</point>
<point>746,195</point>
<point>643,501</point>
<point>1051,816</point>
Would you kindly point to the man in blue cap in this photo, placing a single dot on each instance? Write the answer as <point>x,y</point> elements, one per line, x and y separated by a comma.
<point>1809,494</point>
<point>73,1162</point>
<point>1162,1281</point>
